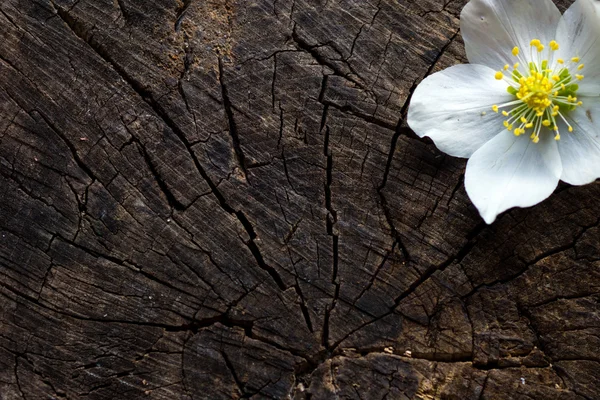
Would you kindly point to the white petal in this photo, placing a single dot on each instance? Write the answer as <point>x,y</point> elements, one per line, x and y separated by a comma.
<point>492,28</point>
<point>447,106</point>
<point>510,171</point>
<point>580,150</point>
<point>579,35</point>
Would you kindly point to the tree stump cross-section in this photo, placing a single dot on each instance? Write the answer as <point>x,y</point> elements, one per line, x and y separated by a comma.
<point>221,199</point>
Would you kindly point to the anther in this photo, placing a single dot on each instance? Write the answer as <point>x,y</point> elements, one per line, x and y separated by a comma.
<point>540,91</point>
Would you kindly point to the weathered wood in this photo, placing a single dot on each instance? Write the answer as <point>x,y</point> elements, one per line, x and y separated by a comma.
<point>221,199</point>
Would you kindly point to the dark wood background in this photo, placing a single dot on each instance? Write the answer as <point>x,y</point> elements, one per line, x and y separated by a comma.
<point>220,199</point>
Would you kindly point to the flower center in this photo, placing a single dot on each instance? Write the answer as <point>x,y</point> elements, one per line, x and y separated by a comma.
<point>544,92</point>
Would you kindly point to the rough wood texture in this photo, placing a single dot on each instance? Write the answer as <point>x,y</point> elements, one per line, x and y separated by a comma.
<point>220,199</point>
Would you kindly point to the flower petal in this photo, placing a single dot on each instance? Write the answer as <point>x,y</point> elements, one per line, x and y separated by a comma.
<point>492,28</point>
<point>580,150</point>
<point>510,171</point>
<point>579,35</point>
<point>448,107</point>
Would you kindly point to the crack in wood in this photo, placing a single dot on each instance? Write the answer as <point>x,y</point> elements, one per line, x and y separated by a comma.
<point>330,225</point>
<point>181,13</point>
<point>147,97</point>
<point>233,130</point>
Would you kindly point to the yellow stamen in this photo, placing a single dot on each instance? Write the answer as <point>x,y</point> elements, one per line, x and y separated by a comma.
<point>542,92</point>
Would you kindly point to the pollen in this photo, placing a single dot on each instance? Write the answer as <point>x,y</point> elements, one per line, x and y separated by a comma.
<point>544,91</point>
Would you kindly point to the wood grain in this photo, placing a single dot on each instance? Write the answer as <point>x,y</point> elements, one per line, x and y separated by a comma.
<point>221,199</point>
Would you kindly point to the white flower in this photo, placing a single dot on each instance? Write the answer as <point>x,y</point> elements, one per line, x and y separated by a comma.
<point>522,111</point>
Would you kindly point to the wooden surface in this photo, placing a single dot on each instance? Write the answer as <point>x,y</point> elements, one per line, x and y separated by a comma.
<point>220,199</point>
